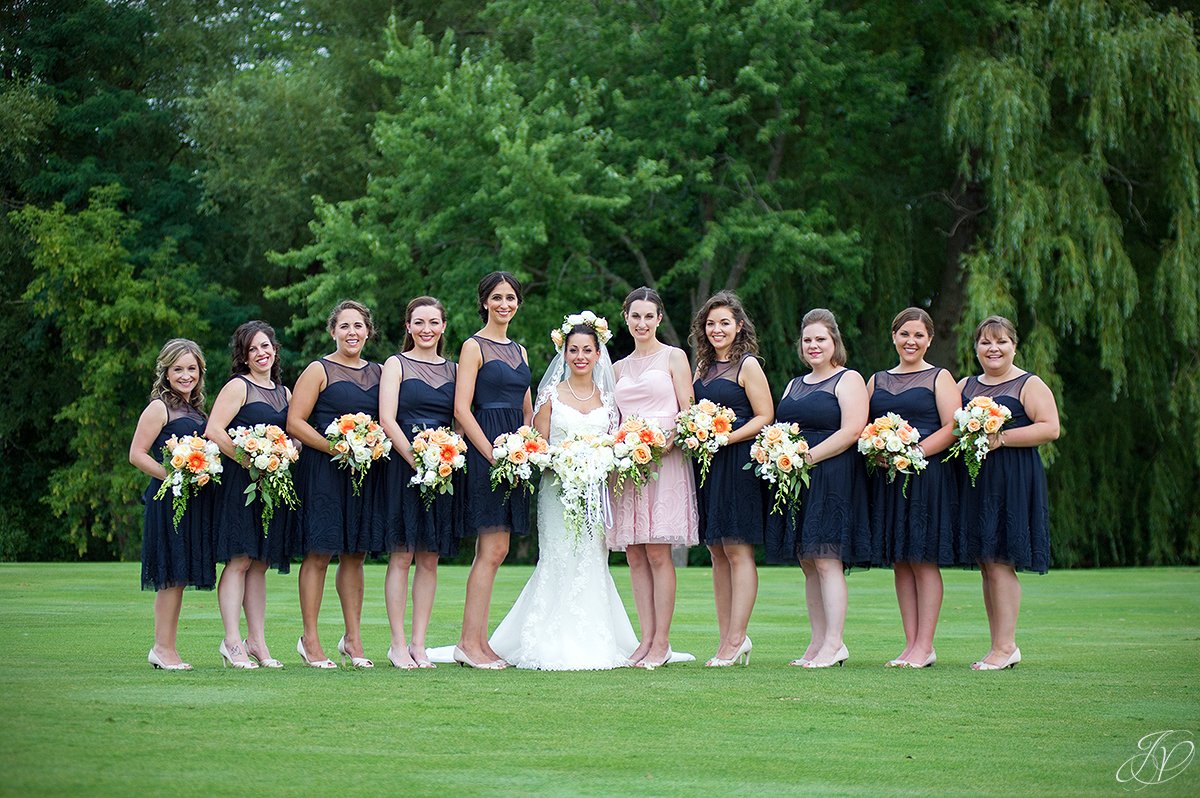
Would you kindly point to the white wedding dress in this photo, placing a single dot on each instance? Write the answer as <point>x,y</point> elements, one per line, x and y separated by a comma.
<point>569,616</point>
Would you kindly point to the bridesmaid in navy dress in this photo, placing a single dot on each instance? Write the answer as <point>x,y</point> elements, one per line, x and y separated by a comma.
<point>416,392</point>
<point>731,503</point>
<point>916,535</point>
<point>1006,516</point>
<point>491,397</point>
<point>831,528</point>
<point>172,558</point>
<point>332,520</point>
<point>254,395</point>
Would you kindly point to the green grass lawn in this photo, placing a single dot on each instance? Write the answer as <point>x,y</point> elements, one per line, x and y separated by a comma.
<point>1110,656</point>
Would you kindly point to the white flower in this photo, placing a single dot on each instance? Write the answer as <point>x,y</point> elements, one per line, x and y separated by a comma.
<point>261,462</point>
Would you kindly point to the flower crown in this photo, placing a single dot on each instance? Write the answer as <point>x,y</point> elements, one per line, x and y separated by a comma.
<point>598,323</point>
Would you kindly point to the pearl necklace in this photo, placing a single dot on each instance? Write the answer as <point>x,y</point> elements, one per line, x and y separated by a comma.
<point>579,398</point>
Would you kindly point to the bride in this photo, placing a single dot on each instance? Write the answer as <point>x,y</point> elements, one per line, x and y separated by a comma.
<point>569,616</point>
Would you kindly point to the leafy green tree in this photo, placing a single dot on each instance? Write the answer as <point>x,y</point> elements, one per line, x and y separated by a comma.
<point>1082,126</point>
<point>112,319</point>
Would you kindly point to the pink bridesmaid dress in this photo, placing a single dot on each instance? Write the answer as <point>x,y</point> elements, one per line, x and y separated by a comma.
<point>664,510</point>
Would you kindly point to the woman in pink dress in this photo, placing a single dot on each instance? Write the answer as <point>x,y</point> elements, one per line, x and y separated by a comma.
<point>654,383</point>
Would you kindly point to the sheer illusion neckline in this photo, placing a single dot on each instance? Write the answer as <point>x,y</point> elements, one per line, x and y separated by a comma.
<point>509,342</point>
<point>910,373</point>
<point>273,386</point>
<point>979,379</point>
<point>364,365</point>
<point>405,356</point>
<point>827,379</point>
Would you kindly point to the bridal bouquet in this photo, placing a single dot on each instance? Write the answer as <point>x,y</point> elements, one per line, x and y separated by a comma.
<point>357,441</point>
<point>889,442</point>
<point>437,453</point>
<point>516,455</point>
<point>582,464</point>
<point>777,456</point>
<point>701,430</point>
<point>268,452</point>
<point>983,416</point>
<point>191,463</point>
<point>637,445</point>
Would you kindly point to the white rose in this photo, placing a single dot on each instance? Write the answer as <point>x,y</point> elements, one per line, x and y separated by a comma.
<point>261,461</point>
<point>574,320</point>
<point>587,316</point>
<point>894,444</point>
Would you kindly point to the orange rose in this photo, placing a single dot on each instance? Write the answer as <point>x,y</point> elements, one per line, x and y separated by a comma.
<point>642,454</point>
<point>906,434</point>
<point>345,424</point>
<point>721,425</point>
<point>444,470</point>
<point>691,426</point>
<point>377,452</point>
<point>870,431</point>
<point>702,434</point>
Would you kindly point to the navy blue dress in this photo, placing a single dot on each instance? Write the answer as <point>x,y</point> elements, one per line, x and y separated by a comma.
<point>832,521</point>
<point>183,557</point>
<point>923,527</point>
<point>426,401</point>
<point>499,407</point>
<point>239,531</point>
<point>332,520</point>
<point>1006,516</point>
<point>732,504</point>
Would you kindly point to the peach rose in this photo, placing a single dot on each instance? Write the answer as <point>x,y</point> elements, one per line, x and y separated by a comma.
<point>902,462</point>
<point>273,463</point>
<point>377,452</point>
<point>197,443</point>
<point>250,445</point>
<point>992,425</point>
<point>444,470</point>
<point>518,456</point>
<point>973,425</point>
<point>760,455</point>
<point>642,454</point>
<point>784,463</point>
<point>439,436</point>
<point>202,480</point>
<point>702,434</point>
<point>706,406</point>
<point>177,461</point>
<point>773,435</point>
<point>341,447</point>
<point>634,425</point>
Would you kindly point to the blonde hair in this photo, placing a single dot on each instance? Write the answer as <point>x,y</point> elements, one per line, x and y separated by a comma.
<point>996,323</point>
<point>826,318</point>
<point>173,350</point>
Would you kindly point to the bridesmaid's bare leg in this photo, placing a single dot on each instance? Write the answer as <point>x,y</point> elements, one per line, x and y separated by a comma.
<point>312,588</point>
<point>642,580</point>
<point>743,591</point>
<point>722,591</point>
<point>906,597</point>
<point>662,568</point>
<point>350,587</point>
<point>167,604</point>
<point>816,608</point>
<point>490,551</point>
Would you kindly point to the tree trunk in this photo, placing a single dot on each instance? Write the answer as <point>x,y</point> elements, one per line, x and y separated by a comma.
<point>967,202</point>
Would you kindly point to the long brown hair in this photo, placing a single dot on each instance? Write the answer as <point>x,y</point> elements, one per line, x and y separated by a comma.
<point>415,304</point>
<point>744,343</point>
<point>239,348</point>
<point>490,281</point>
<point>173,350</point>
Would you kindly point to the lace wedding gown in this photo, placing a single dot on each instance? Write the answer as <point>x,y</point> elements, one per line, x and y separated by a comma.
<point>569,616</point>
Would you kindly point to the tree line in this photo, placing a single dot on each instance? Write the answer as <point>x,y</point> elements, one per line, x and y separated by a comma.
<point>178,167</point>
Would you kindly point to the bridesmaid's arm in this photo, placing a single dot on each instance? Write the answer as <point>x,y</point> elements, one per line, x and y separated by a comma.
<point>304,398</point>
<point>229,402</point>
<point>949,399</point>
<point>389,404</point>
<point>681,378</point>
<point>1042,410</point>
<point>528,405</point>
<point>470,359</point>
<point>854,402</point>
<point>758,391</point>
<point>150,423</point>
